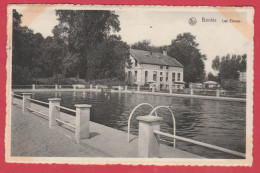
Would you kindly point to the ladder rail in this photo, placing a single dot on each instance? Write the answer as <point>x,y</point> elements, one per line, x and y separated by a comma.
<point>131,114</point>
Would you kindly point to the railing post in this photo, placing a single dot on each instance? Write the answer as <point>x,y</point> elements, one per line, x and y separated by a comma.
<point>119,88</point>
<point>191,91</point>
<point>33,86</point>
<point>54,112</point>
<point>148,144</point>
<point>74,87</point>
<point>170,90</point>
<point>26,102</point>
<point>91,87</point>
<point>12,97</point>
<point>138,87</point>
<point>96,87</point>
<point>153,89</point>
<point>217,93</point>
<point>56,87</point>
<point>126,88</point>
<point>82,122</point>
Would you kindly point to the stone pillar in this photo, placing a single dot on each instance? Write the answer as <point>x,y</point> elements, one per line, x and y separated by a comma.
<point>126,88</point>
<point>56,87</point>
<point>148,144</point>
<point>54,112</point>
<point>217,93</point>
<point>82,122</point>
<point>170,90</point>
<point>26,102</point>
<point>191,91</point>
<point>33,86</point>
<point>138,87</point>
<point>91,87</point>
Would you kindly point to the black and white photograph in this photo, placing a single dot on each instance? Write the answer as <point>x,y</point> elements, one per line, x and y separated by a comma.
<point>152,85</point>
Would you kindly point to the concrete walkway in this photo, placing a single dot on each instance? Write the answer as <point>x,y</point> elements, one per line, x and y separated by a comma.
<point>31,136</point>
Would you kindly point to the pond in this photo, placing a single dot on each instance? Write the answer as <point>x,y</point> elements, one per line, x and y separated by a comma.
<point>221,123</point>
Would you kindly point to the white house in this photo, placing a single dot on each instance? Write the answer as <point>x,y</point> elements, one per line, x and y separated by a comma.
<point>158,69</point>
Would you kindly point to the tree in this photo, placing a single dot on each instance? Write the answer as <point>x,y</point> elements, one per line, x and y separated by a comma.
<point>216,63</point>
<point>54,50</point>
<point>85,31</point>
<point>142,45</point>
<point>242,65</point>
<point>229,67</point>
<point>26,48</point>
<point>146,45</point>
<point>212,77</point>
<point>82,45</point>
<point>185,49</point>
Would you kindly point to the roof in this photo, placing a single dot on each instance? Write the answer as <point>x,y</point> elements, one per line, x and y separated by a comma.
<point>147,57</point>
<point>211,82</point>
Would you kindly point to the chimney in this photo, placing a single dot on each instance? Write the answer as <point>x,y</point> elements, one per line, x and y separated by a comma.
<point>165,52</point>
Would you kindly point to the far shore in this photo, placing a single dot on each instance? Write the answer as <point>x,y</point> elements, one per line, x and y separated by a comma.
<point>135,92</point>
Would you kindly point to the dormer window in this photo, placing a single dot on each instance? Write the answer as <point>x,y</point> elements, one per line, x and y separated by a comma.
<point>136,63</point>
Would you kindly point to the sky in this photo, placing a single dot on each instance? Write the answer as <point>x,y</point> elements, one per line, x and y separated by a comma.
<point>161,27</point>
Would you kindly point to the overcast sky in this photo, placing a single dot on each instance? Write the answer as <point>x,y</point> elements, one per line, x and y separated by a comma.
<point>214,38</point>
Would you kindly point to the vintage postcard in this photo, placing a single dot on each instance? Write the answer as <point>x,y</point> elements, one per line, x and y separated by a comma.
<point>151,85</point>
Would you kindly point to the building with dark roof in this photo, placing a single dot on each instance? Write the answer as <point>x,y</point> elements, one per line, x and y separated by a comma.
<point>156,69</point>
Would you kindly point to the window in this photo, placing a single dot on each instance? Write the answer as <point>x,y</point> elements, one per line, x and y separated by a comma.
<point>173,77</point>
<point>161,78</point>
<point>166,76</point>
<point>160,73</point>
<point>146,76</point>
<point>167,67</point>
<point>136,63</point>
<point>154,76</point>
<point>161,67</point>
<point>179,76</point>
<point>135,76</point>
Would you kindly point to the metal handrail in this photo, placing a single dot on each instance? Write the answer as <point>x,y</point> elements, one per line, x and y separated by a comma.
<point>131,114</point>
<point>201,144</point>
<point>63,122</point>
<point>17,95</point>
<point>61,107</point>
<point>21,85</point>
<point>173,119</point>
<point>33,110</point>
<point>18,105</point>
<point>38,101</point>
<point>44,85</point>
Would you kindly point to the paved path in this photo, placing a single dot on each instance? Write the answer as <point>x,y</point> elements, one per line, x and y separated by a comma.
<point>31,136</point>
